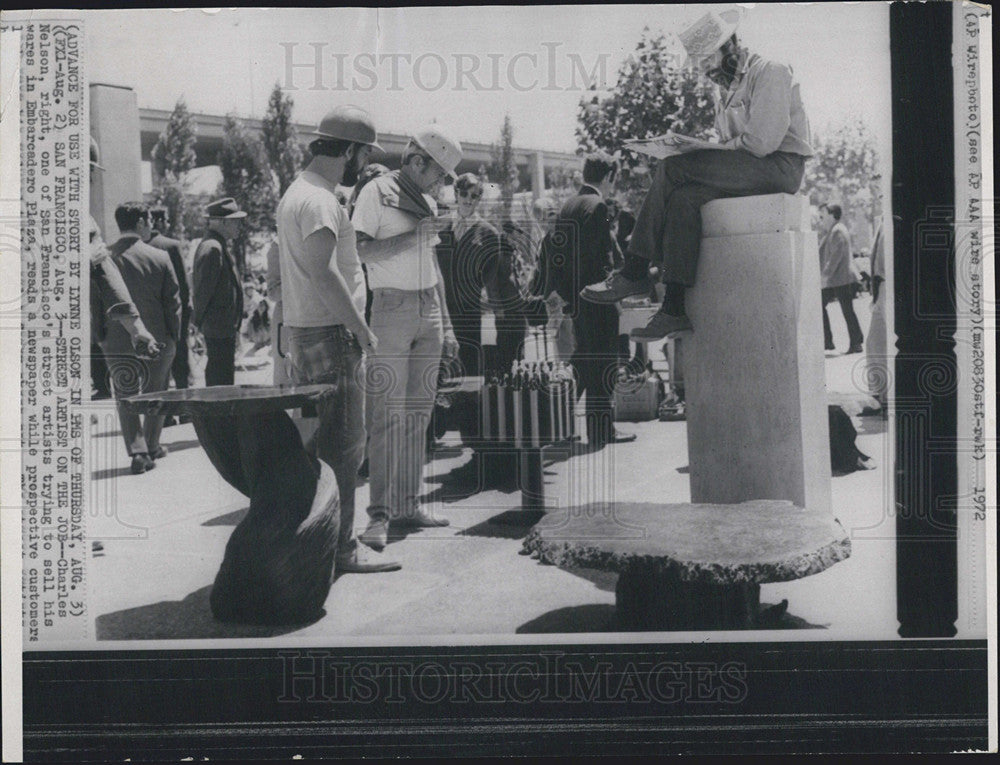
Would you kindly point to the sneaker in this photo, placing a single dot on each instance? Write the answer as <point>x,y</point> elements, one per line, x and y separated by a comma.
<point>420,518</point>
<point>376,536</point>
<point>616,287</point>
<point>159,453</point>
<point>141,463</point>
<point>660,326</point>
<point>364,561</point>
<point>855,348</point>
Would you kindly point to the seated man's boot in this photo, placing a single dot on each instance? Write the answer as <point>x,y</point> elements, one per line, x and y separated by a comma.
<point>660,326</point>
<point>616,287</point>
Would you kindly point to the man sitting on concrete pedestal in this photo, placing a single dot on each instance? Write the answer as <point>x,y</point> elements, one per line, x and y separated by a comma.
<point>764,143</point>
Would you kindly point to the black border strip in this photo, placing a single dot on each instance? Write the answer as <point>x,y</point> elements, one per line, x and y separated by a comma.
<point>779,697</point>
<point>923,203</point>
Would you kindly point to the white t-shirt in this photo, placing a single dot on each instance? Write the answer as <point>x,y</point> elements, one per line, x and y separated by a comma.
<point>308,299</point>
<point>412,268</point>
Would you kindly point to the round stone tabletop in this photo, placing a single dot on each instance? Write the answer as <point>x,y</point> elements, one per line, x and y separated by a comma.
<point>758,541</point>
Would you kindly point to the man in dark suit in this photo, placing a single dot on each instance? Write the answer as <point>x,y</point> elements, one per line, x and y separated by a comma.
<point>218,291</point>
<point>181,369</point>
<point>580,251</point>
<point>152,285</point>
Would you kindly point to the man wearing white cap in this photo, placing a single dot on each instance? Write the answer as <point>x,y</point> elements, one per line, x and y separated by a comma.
<point>764,144</point>
<point>323,303</point>
<point>395,220</point>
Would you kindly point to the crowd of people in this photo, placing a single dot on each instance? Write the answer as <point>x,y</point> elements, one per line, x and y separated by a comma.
<point>370,291</point>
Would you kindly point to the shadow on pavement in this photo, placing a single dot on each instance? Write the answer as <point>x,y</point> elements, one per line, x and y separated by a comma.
<point>179,619</point>
<point>228,519</point>
<point>444,452</point>
<point>599,617</point>
<point>177,446</point>
<point>593,617</point>
<point>484,472</point>
<point>510,524</point>
<point>602,580</point>
<point>122,472</point>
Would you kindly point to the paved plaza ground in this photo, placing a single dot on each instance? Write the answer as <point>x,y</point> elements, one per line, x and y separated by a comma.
<point>160,537</point>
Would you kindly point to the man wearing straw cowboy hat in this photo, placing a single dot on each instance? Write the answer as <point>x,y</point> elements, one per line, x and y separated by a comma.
<point>395,219</point>
<point>323,304</point>
<point>218,290</point>
<point>765,140</point>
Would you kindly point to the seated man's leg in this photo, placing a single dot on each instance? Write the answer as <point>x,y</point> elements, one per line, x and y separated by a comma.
<point>682,233</point>
<point>644,246</point>
<point>698,178</point>
<point>727,173</point>
<point>681,247</point>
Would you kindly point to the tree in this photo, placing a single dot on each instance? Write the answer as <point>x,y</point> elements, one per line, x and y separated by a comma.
<point>174,151</point>
<point>563,182</point>
<point>246,177</point>
<point>173,156</point>
<point>281,142</point>
<point>844,168</point>
<point>503,169</point>
<point>651,96</point>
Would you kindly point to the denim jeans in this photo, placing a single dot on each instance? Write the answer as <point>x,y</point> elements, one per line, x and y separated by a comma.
<point>332,356</point>
<point>668,228</point>
<point>401,385</point>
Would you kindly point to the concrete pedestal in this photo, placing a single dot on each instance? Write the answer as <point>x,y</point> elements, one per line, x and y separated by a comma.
<point>755,377</point>
<point>114,124</point>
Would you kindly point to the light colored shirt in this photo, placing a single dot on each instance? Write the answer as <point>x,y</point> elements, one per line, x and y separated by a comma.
<point>761,112</point>
<point>413,267</point>
<point>878,253</point>
<point>310,205</point>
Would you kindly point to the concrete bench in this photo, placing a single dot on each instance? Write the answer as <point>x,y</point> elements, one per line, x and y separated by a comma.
<point>754,364</point>
<point>692,566</point>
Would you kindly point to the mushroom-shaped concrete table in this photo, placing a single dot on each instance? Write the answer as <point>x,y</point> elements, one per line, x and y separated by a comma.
<point>692,566</point>
<point>278,565</point>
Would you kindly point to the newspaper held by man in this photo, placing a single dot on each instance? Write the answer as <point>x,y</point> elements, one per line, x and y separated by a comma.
<point>668,145</point>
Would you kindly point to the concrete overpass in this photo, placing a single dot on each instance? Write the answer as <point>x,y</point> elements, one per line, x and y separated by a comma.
<point>532,163</point>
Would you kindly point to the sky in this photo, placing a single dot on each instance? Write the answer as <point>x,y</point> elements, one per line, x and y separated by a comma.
<point>465,67</point>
